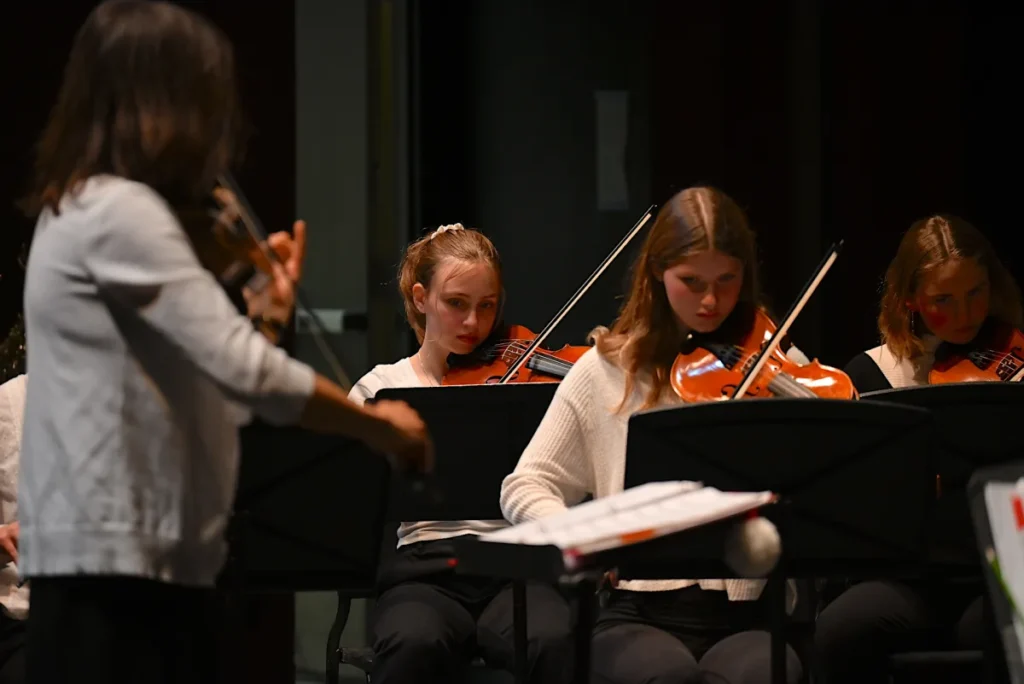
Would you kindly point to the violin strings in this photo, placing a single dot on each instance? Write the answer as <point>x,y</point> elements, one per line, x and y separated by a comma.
<point>517,347</point>
<point>991,355</point>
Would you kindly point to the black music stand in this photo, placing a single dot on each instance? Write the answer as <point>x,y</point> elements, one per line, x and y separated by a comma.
<point>824,458</point>
<point>308,515</point>
<point>975,428</point>
<point>479,433</point>
<point>989,494</point>
<point>546,563</point>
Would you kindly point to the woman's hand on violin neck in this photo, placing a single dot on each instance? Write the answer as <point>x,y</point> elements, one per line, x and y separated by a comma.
<point>9,539</point>
<point>290,249</point>
<point>277,300</point>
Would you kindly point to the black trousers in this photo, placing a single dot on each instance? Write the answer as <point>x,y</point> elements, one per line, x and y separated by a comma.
<point>12,650</point>
<point>858,631</point>
<point>120,630</point>
<point>682,637</point>
<point>429,622</point>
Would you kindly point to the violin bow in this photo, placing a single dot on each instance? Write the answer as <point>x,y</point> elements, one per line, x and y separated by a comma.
<point>768,348</point>
<point>543,334</point>
<point>259,235</point>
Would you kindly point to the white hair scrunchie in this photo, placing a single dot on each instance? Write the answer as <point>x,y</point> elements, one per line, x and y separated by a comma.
<point>445,229</point>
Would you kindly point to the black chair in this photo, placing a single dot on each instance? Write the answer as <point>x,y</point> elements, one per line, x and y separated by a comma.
<point>361,657</point>
<point>937,667</point>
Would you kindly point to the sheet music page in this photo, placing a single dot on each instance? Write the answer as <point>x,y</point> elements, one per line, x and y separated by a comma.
<point>1005,504</point>
<point>540,531</point>
<point>647,511</point>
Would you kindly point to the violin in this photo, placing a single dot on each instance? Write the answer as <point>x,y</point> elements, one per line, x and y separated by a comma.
<point>996,354</point>
<point>229,251</point>
<point>710,370</point>
<point>494,360</point>
<point>743,358</point>
<point>230,241</point>
<point>517,355</point>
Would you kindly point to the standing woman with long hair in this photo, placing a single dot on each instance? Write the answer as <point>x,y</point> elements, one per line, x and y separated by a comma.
<point>138,361</point>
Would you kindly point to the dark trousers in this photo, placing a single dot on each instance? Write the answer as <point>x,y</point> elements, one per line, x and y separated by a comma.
<point>428,623</point>
<point>12,650</point>
<point>114,630</point>
<point>858,631</point>
<point>682,637</point>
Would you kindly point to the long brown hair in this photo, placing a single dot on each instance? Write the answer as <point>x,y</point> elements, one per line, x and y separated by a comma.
<point>928,244</point>
<point>149,94</point>
<point>645,337</point>
<point>424,256</point>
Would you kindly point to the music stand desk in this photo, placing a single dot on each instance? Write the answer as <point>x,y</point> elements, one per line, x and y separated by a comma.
<point>479,433</point>
<point>824,458</point>
<point>308,513</point>
<point>969,434</point>
<point>546,563</point>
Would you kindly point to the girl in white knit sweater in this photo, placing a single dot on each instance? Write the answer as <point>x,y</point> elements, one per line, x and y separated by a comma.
<point>696,275</point>
<point>428,621</point>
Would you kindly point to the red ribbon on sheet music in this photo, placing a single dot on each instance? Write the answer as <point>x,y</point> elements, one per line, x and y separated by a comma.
<point>1018,512</point>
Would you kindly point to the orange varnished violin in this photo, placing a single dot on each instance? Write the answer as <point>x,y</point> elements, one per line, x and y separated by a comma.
<point>231,242</point>
<point>707,369</point>
<point>490,362</point>
<point>744,358</point>
<point>996,354</point>
<point>517,355</point>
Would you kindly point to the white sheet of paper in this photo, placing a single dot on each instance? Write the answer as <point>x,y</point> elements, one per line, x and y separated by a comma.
<point>647,511</point>
<point>1009,548</point>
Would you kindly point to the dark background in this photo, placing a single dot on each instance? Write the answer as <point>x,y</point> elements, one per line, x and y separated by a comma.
<point>897,111</point>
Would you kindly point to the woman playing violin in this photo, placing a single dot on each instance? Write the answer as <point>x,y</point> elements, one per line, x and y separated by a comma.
<point>139,360</point>
<point>696,274</point>
<point>946,290</point>
<point>429,622</point>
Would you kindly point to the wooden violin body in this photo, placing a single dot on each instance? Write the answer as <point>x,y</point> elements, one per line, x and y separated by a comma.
<point>995,355</point>
<point>492,360</point>
<point>230,241</point>
<point>223,244</point>
<point>517,356</point>
<point>711,371</point>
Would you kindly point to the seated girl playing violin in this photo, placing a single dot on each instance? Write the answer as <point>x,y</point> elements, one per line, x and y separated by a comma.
<point>428,623</point>
<point>944,290</point>
<point>696,275</point>
<point>946,285</point>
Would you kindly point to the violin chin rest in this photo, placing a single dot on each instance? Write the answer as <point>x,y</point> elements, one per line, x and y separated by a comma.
<point>753,547</point>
